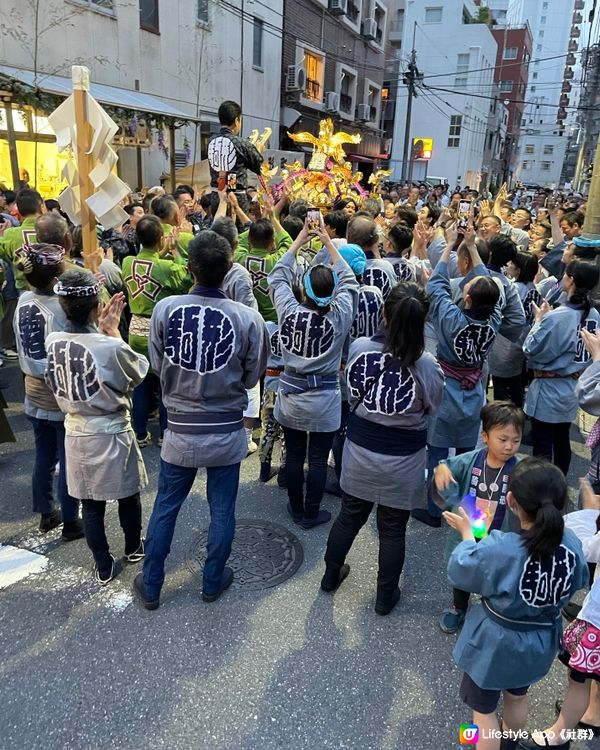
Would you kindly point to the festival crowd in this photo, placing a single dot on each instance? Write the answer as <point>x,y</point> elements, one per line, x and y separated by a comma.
<point>414,337</point>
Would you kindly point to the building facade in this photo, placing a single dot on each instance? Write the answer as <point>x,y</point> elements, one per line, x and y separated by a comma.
<point>512,74</point>
<point>555,28</point>
<point>186,57</point>
<point>333,63</point>
<point>456,55</point>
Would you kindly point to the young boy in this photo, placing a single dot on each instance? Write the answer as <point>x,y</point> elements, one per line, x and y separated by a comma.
<point>483,475</point>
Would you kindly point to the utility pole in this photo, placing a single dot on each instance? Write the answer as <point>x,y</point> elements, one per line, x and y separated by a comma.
<point>409,79</point>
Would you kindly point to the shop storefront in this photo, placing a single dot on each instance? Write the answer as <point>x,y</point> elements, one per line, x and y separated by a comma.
<point>28,152</point>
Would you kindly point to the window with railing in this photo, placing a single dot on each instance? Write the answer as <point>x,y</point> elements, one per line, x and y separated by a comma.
<point>346,103</point>
<point>314,66</point>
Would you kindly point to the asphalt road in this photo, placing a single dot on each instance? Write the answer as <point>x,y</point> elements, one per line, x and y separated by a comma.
<point>285,667</point>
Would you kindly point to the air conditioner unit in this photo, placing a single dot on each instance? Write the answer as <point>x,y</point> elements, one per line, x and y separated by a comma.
<point>369,29</point>
<point>295,79</point>
<point>338,7</point>
<point>364,112</point>
<point>332,101</point>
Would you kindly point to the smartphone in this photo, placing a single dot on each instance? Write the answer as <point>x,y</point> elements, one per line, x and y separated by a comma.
<point>314,220</point>
<point>232,181</point>
<point>464,209</point>
<point>222,181</point>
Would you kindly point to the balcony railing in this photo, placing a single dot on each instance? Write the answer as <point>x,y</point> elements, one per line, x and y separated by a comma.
<point>575,32</point>
<point>569,74</point>
<point>352,12</point>
<point>579,4</point>
<point>577,18</point>
<point>346,103</point>
<point>570,59</point>
<point>313,90</point>
<point>573,45</point>
<point>566,87</point>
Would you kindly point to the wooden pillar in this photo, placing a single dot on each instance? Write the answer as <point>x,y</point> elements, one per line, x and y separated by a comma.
<point>138,160</point>
<point>172,155</point>
<point>12,144</point>
<point>85,164</point>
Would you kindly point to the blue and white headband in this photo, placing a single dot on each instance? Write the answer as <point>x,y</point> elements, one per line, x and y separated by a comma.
<point>320,301</point>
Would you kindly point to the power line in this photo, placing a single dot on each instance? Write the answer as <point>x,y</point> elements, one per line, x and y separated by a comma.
<point>479,70</point>
<point>512,101</point>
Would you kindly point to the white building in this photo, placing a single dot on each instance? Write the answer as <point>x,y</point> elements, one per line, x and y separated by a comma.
<point>543,139</point>
<point>456,54</point>
<point>187,56</point>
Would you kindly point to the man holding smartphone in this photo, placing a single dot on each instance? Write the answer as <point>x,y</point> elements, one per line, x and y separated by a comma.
<point>230,156</point>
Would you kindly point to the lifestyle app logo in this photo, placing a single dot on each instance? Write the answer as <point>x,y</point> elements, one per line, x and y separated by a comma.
<point>468,734</point>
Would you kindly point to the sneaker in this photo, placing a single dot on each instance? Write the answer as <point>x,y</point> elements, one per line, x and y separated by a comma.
<point>145,441</point>
<point>140,592</point>
<point>252,447</point>
<point>226,581</point>
<point>50,521</point>
<point>323,516</point>
<point>422,515</point>
<point>384,607</point>
<point>333,577</point>
<point>8,354</point>
<point>72,530</point>
<point>135,557</point>
<point>451,620</point>
<point>107,576</point>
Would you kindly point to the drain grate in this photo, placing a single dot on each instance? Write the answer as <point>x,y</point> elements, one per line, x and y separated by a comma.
<point>263,555</point>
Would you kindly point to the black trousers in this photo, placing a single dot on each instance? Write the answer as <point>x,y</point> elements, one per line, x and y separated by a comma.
<point>552,441</point>
<point>391,524</point>
<point>509,389</point>
<point>130,518</point>
<point>297,444</point>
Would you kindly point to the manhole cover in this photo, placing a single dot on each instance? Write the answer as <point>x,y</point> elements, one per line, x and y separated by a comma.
<point>263,555</point>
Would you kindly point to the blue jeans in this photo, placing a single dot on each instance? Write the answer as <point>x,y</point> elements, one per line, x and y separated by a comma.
<point>50,448</point>
<point>434,456</point>
<point>140,405</point>
<point>174,485</point>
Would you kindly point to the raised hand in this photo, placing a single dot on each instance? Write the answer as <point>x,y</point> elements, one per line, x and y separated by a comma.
<point>461,523</point>
<point>539,312</point>
<point>110,316</point>
<point>591,342</point>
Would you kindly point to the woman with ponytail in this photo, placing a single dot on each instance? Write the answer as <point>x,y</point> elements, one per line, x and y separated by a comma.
<point>510,640</point>
<point>557,356</point>
<point>312,333</point>
<point>393,386</point>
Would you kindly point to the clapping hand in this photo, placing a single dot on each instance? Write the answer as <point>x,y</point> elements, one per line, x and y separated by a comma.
<point>461,522</point>
<point>110,316</point>
<point>539,312</point>
<point>590,501</point>
<point>591,342</point>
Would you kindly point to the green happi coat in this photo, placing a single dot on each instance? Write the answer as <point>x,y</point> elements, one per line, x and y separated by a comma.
<point>12,240</point>
<point>149,278</point>
<point>260,263</point>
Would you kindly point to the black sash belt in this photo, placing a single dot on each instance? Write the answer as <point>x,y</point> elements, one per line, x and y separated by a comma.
<point>389,441</point>
<point>205,423</point>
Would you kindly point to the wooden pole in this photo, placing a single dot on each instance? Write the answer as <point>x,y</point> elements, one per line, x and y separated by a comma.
<point>12,144</point>
<point>172,155</point>
<point>591,225</point>
<point>85,163</point>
